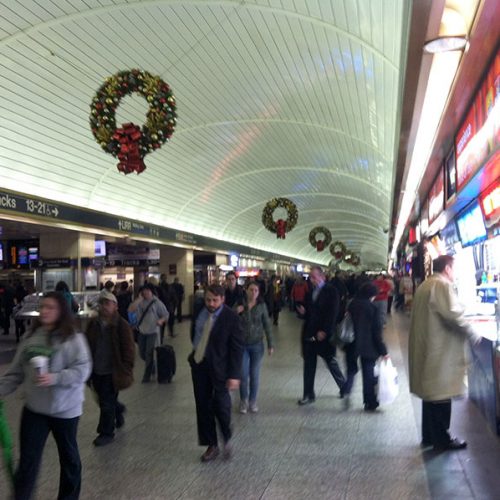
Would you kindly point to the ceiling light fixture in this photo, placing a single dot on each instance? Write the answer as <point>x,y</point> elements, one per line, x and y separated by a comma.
<point>446,43</point>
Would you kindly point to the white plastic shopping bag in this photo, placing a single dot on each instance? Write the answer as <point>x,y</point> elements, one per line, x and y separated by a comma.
<point>388,387</point>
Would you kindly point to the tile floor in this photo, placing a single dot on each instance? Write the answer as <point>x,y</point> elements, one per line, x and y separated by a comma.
<point>283,452</point>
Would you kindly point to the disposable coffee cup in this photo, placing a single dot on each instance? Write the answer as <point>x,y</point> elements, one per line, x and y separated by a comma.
<point>40,364</point>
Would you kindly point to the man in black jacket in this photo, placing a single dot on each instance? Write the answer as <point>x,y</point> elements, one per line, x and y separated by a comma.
<point>234,294</point>
<point>215,368</point>
<point>321,311</point>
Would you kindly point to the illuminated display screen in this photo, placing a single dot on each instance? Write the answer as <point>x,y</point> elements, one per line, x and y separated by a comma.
<point>100,248</point>
<point>33,253</point>
<point>1,252</point>
<point>471,228</point>
<point>22,256</point>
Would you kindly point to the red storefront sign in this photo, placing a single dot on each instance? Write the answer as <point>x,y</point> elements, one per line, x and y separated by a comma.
<point>490,204</point>
<point>479,136</point>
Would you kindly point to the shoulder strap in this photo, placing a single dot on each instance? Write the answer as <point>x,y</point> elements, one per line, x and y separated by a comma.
<point>144,313</point>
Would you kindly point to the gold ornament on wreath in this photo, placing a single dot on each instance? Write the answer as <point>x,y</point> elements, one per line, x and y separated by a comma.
<point>338,250</point>
<point>131,143</point>
<point>320,244</point>
<point>281,226</point>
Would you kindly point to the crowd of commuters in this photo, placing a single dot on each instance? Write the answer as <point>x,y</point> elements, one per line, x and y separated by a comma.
<point>230,333</point>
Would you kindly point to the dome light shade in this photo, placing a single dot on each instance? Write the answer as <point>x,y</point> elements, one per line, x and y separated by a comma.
<point>445,44</point>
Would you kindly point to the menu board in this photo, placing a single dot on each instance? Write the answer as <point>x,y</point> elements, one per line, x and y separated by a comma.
<point>436,197</point>
<point>479,136</point>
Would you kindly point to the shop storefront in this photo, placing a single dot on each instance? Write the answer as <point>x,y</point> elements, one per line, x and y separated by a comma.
<point>469,228</point>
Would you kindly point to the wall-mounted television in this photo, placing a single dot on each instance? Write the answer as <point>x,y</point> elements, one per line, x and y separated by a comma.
<point>22,255</point>
<point>1,252</point>
<point>32,253</point>
<point>470,225</point>
<point>100,248</point>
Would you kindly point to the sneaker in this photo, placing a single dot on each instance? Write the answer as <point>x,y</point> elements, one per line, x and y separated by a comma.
<point>103,440</point>
<point>243,406</point>
<point>253,407</point>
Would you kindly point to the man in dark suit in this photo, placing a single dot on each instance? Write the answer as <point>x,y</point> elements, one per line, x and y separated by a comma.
<point>321,311</point>
<point>215,368</point>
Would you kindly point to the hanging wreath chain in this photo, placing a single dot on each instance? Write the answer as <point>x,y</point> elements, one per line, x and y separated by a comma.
<point>338,250</point>
<point>280,227</point>
<point>132,143</point>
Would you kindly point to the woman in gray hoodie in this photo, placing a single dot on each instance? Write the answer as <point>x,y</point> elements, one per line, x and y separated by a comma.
<point>54,362</point>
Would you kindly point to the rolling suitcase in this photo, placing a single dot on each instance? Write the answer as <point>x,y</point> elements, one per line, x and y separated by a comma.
<point>166,364</point>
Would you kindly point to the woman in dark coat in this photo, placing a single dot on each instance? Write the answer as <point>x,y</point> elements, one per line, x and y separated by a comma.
<point>368,345</point>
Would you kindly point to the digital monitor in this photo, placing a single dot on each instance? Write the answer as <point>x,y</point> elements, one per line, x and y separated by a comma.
<point>1,252</point>
<point>470,225</point>
<point>22,256</point>
<point>100,248</point>
<point>33,253</point>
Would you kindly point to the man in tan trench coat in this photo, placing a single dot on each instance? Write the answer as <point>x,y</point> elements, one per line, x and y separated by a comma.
<point>438,334</point>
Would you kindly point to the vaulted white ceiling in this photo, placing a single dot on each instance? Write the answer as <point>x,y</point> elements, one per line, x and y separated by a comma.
<point>275,98</point>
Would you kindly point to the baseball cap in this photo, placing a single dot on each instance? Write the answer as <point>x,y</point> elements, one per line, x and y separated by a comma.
<point>105,295</point>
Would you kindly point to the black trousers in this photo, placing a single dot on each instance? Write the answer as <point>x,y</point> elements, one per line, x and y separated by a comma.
<point>6,321</point>
<point>35,429</point>
<point>310,352</point>
<point>369,383</point>
<point>213,403</point>
<point>179,312</point>
<point>110,407</point>
<point>436,418</point>
<point>369,379</point>
<point>390,298</point>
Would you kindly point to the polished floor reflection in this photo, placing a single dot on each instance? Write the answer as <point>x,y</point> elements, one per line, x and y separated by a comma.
<point>284,452</point>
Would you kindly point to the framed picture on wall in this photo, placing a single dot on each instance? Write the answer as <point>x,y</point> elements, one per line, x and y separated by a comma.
<point>172,269</point>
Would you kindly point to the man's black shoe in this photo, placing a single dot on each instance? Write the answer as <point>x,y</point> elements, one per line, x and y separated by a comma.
<point>103,440</point>
<point>211,453</point>
<point>306,401</point>
<point>453,444</point>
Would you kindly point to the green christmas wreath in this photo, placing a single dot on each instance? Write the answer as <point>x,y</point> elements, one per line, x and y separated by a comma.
<point>281,226</point>
<point>320,244</point>
<point>131,143</point>
<point>338,250</point>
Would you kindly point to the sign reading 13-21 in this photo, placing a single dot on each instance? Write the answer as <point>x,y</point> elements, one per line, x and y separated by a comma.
<point>38,207</point>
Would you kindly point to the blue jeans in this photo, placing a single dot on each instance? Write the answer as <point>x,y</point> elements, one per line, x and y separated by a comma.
<point>252,359</point>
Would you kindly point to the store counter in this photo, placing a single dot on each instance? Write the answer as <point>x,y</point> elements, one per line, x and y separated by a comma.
<point>484,370</point>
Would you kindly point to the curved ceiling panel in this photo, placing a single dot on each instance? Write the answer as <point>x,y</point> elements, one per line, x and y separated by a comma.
<point>295,98</point>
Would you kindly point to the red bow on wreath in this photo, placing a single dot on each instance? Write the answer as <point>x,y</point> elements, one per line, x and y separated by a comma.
<point>280,229</point>
<point>338,255</point>
<point>130,158</point>
<point>320,245</point>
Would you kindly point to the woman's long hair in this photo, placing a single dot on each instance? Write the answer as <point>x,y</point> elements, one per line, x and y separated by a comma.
<point>65,325</point>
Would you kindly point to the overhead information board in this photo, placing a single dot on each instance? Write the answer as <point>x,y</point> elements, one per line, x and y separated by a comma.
<point>49,210</point>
